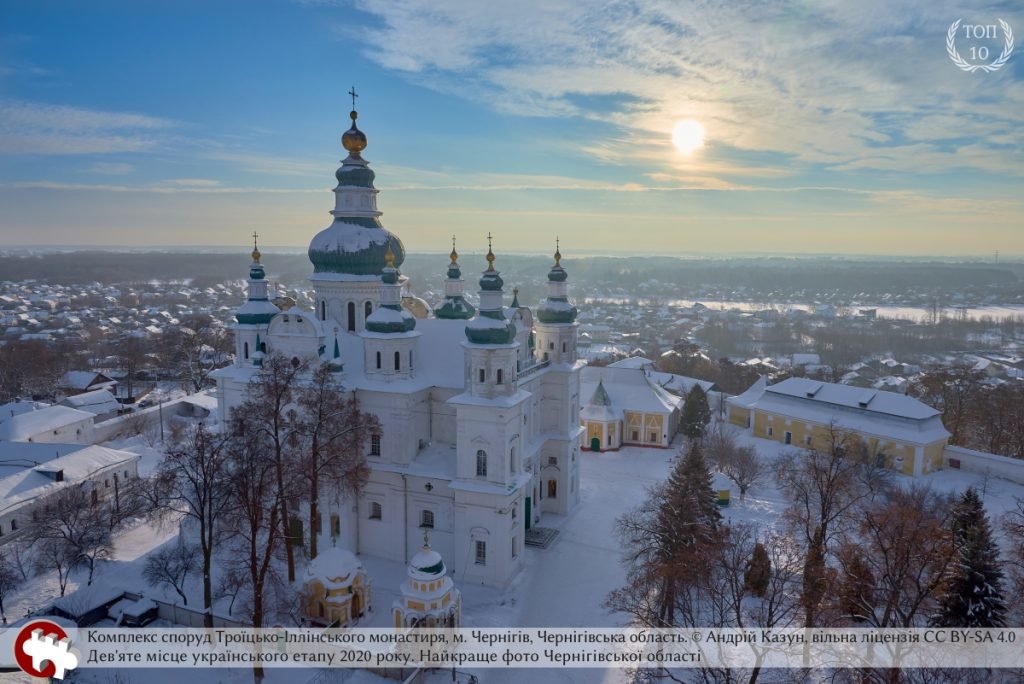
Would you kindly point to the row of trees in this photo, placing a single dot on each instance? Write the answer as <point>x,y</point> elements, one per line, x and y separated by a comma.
<point>853,549</point>
<point>297,434</point>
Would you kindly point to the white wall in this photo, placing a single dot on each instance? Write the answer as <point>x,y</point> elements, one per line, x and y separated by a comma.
<point>1011,469</point>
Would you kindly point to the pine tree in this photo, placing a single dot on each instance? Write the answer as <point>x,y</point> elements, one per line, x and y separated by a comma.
<point>973,595</point>
<point>687,526</point>
<point>696,413</point>
<point>758,572</point>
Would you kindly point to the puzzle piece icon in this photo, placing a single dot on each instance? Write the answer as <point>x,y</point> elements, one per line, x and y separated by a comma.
<point>46,647</point>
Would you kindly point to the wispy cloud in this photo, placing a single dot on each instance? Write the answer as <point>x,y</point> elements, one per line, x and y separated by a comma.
<point>832,84</point>
<point>37,128</point>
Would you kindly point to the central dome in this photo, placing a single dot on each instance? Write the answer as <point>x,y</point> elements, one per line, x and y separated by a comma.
<point>354,245</point>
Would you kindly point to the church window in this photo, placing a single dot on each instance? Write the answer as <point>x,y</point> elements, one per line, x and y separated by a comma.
<point>398,361</point>
<point>335,525</point>
<point>552,489</point>
<point>323,311</point>
<point>263,347</point>
<point>545,356</point>
<point>653,437</point>
<point>410,359</point>
<point>500,378</point>
<point>481,463</point>
<point>378,360</point>
<point>481,553</point>
<point>245,348</point>
<point>14,525</point>
<point>512,464</point>
<point>427,519</point>
<point>368,309</point>
<point>375,445</point>
<point>514,547</point>
<point>551,346</point>
<point>483,375</point>
<point>563,346</point>
<point>376,511</point>
<point>351,316</point>
<point>552,460</point>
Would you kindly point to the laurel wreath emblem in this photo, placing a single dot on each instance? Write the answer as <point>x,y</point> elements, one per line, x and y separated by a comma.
<point>967,66</point>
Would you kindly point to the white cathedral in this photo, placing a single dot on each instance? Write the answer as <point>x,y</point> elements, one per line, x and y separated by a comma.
<point>479,410</point>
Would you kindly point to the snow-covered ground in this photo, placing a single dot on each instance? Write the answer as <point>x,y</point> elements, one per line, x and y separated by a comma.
<point>564,585</point>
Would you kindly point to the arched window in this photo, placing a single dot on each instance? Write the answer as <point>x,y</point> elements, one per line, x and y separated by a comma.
<point>351,316</point>
<point>427,518</point>
<point>378,360</point>
<point>323,311</point>
<point>410,359</point>
<point>367,309</point>
<point>500,378</point>
<point>14,525</point>
<point>481,463</point>
<point>398,361</point>
<point>563,346</point>
<point>512,465</point>
<point>245,347</point>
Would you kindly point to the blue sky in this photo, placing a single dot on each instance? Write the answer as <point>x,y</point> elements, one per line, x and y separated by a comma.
<point>831,126</point>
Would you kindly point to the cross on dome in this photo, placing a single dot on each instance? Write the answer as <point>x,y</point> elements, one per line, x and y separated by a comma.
<point>255,250</point>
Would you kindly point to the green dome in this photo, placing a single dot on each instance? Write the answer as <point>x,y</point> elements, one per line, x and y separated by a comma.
<point>354,245</point>
<point>491,327</point>
<point>358,176</point>
<point>556,310</point>
<point>455,307</point>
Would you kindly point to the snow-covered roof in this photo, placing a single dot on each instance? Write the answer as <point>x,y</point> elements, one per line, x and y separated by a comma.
<point>15,408</point>
<point>26,425</point>
<point>632,362</point>
<point>335,568</point>
<point>628,388</point>
<point>33,466</point>
<point>82,380</point>
<point>96,402</point>
<point>679,384</point>
<point>865,410</point>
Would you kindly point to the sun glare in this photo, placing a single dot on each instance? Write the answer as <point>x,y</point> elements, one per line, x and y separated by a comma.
<point>688,136</point>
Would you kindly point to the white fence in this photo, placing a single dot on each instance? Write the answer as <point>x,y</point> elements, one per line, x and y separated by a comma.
<point>972,461</point>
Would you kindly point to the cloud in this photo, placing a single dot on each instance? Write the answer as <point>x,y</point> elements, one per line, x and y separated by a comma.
<point>110,168</point>
<point>830,84</point>
<point>38,128</point>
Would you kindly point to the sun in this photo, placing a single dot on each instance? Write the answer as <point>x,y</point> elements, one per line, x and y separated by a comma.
<point>688,136</point>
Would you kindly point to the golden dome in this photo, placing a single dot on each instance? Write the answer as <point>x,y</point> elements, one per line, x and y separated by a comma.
<point>354,140</point>
<point>454,256</point>
<point>389,256</point>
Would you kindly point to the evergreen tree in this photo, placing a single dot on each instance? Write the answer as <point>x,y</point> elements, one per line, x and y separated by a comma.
<point>696,413</point>
<point>758,572</point>
<point>973,595</point>
<point>856,594</point>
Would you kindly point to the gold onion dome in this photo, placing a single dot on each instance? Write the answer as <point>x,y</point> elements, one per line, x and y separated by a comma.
<point>354,140</point>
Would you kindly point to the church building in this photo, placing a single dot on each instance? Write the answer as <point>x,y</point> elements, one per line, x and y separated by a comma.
<point>478,408</point>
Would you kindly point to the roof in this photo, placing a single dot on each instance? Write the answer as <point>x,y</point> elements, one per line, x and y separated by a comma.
<point>82,380</point>
<point>22,427</point>
<point>624,389</point>
<point>96,402</point>
<point>871,411</point>
<point>680,384</point>
<point>27,468</point>
<point>334,567</point>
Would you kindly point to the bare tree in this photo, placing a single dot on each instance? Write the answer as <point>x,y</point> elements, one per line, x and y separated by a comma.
<point>194,482</point>
<point>1013,527</point>
<point>271,411</point>
<point>196,347</point>
<point>334,431</point>
<point>75,519</point>
<point>826,487</point>
<point>10,580</point>
<point>740,463</point>
<point>171,566</point>
<point>253,518</point>
<point>56,554</point>
<point>952,390</point>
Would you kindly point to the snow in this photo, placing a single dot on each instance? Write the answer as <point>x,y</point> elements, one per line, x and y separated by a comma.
<point>22,427</point>
<point>386,315</point>
<point>479,322</point>
<point>629,389</point>
<point>341,236</point>
<point>81,380</point>
<point>333,564</point>
<point>96,402</point>
<point>76,461</point>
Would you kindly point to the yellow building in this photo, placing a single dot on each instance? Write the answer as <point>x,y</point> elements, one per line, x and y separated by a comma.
<point>901,432</point>
<point>429,597</point>
<point>336,591</point>
<point>625,407</point>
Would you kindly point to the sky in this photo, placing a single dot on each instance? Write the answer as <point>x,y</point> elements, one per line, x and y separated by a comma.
<point>831,126</point>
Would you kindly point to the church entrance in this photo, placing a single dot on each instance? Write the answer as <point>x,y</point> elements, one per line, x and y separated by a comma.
<point>595,444</point>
